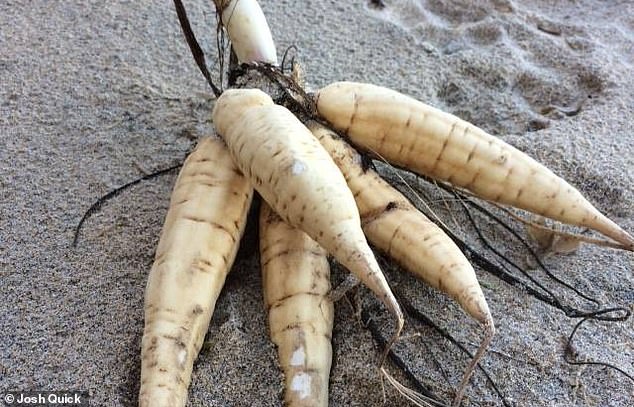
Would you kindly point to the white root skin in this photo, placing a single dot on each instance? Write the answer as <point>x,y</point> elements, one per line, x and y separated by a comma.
<point>300,181</point>
<point>198,244</point>
<point>397,228</point>
<point>248,30</point>
<point>416,136</point>
<point>296,282</point>
<point>393,225</point>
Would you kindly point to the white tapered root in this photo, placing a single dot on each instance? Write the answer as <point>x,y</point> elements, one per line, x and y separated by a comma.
<point>299,180</point>
<point>248,30</point>
<point>200,238</point>
<point>394,225</point>
<point>296,283</point>
<point>411,134</point>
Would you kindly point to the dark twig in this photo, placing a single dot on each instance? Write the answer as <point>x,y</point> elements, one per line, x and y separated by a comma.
<point>197,52</point>
<point>498,271</point>
<point>233,68</point>
<point>221,45</point>
<point>491,248</point>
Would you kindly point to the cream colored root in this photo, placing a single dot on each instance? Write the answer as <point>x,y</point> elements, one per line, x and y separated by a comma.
<point>300,181</point>
<point>430,142</point>
<point>198,244</point>
<point>296,282</point>
<point>248,30</point>
<point>397,228</point>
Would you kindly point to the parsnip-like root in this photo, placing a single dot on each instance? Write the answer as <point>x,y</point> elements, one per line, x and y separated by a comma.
<point>248,30</point>
<point>296,281</point>
<point>300,181</point>
<point>200,238</point>
<point>430,142</point>
<point>396,227</point>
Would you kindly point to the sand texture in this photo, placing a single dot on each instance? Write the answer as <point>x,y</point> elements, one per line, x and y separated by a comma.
<point>94,94</point>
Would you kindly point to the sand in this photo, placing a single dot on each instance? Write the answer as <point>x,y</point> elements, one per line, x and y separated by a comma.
<point>95,94</point>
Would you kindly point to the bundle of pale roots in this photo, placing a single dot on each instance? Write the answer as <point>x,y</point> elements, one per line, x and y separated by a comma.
<point>319,199</point>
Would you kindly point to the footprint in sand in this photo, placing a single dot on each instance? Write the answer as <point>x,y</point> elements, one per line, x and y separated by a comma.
<point>513,68</point>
